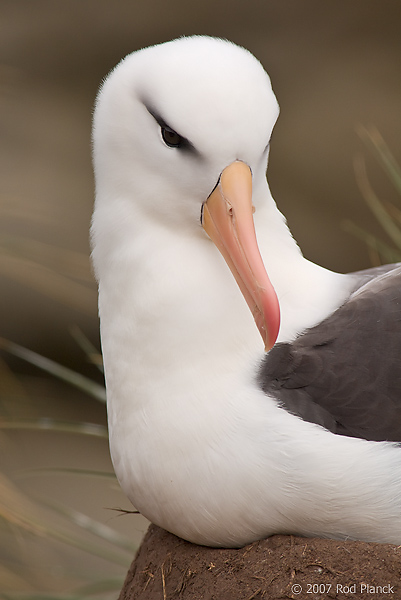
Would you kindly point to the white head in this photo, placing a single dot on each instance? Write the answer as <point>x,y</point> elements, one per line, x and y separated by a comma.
<point>211,92</point>
<point>169,119</point>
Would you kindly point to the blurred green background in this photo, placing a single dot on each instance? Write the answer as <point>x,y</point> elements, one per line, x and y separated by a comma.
<point>334,65</point>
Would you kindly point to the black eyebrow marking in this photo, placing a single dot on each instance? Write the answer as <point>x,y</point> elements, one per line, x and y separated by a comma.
<point>185,144</point>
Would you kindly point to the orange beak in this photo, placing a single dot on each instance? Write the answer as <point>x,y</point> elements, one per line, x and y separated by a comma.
<point>227,218</point>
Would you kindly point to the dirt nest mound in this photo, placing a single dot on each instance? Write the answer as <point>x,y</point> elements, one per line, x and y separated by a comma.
<point>278,568</point>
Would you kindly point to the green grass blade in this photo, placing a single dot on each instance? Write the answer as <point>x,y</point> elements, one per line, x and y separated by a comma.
<point>50,366</point>
<point>376,206</point>
<point>37,596</point>
<point>67,471</point>
<point>17,510</point>
<point>100,587</point>
<point>374,140</point>
<point>386,252</point>
<point>69,263</point>
<point>54,285</point>
<point>46,424</point>
<point>79,542</point>
<point>104,532</point>
<point>86,345</point>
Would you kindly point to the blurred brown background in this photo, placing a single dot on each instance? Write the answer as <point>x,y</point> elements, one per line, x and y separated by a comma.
<point>333,64</point>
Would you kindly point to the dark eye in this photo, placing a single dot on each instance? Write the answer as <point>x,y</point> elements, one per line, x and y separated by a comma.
<point>171,138</point>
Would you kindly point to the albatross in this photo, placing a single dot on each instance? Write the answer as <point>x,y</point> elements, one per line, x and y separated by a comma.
<point>249,391</point>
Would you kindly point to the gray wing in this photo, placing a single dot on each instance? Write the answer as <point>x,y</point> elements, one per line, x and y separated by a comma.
<point>345,373</point>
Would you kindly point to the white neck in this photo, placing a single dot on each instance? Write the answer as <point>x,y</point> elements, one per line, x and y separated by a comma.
<point>183,306</point>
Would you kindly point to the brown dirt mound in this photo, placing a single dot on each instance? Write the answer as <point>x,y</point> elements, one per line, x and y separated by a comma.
<point>278,568</point>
